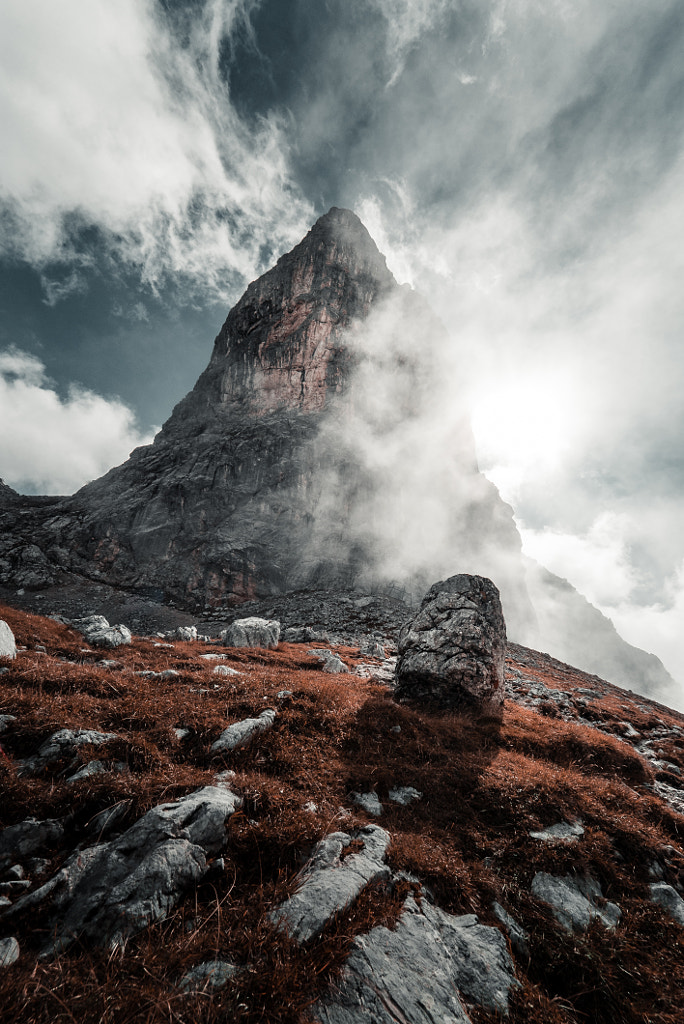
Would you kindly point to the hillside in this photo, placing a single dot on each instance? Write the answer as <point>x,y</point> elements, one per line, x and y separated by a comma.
<point>570,748</point>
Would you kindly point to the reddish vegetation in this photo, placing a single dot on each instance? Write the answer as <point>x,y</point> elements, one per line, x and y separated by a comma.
<point>486,784</point>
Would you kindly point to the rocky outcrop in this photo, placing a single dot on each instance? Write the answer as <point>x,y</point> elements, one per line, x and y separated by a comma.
<point>252,632</point>
<point>453,651</point>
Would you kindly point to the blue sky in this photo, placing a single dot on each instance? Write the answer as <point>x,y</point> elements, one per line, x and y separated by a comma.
<point>521,163</point>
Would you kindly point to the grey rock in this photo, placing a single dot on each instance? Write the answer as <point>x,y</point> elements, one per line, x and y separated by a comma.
<point>404,795</point>
<point>186,633</point>
<point>453,651</point>
<point>252,632</point>
<point>574,901</point>
<point>372,649</point>
<point>166,673</point>
<point>27,837</point>
<point>113,636</point>
<point>15,885</point>
<point>6,722</point>
<point>331,661</point>
<point>240,733</point>
<point>283,694</point>
<point>88,770</point>
<point>563,832</point>
<point>416,972</point>
<point>8,646</point>
<point>108,820</point>
<point>669,899</point>
<point>61,744</point>
<point>328,883</point>
<point>225,670</point>
<point>298,635</point>
<point>210,976</point>
<point>369,802</point>
<point>108,892</point>
<point>515,931</point>
<point>9,951</point>
<point>15,872</point>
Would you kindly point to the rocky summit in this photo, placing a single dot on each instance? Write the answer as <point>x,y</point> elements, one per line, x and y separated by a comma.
<point>318,451</point>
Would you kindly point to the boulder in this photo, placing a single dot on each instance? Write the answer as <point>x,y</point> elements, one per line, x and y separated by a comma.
<point>330,883</point>
<point>108,892</point>
<point>574,901</point>
<point>452,653</point>
<point>186,633</point>
<point>563,832</point>
<point>252,632</point>
<point>8,647</point>
<point>332,662</point>
<point>98,632</point>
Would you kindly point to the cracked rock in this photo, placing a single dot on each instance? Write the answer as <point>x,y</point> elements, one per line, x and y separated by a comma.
<point>574,901</point>
<point>330,883</point>
<point>108,892</point>
<point>453,651</point>
<point>385,978</point>
<point>252,632</point>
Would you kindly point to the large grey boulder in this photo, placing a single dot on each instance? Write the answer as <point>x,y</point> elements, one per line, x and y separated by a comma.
<point>417,971</point>
<point>575,902</point>
<point>108,892</point>
<point>330,883</point>
<point>8,646</point>
<point>239,734</point>
<point>252,632</point>
<point>452,653</point>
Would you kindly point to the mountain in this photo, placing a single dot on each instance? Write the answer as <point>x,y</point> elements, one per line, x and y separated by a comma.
<point>318,451</point>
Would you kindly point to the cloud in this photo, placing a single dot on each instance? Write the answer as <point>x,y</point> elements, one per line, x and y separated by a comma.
<point>110,120</point>
<point>54,445</point>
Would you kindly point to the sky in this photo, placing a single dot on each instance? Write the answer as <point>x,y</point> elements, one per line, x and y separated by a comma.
<point>520,162</point>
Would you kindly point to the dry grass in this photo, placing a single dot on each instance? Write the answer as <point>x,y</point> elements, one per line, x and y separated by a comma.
<point>486,785</point>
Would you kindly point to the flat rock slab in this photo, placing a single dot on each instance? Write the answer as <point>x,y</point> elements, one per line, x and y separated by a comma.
<point>241,733</point>
<point>453,652</point>
<point>416,972</point>
<point>330,883</point>
<point>669,899</point>
<point>252,632</point>
<point>563,832</point>
<point>8,646</point>
<point>574,901</point>
<point>110,891</point>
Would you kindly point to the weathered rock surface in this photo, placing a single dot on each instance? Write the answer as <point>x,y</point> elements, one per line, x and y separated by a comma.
<point>9,951</point>
<point>62,744</point>
<point>107,892</point>
<point>416,972</point>
<point>563,832</point>
<point>28,837</point>
<point>210,976</point>
<point>99,633</point>
<point>329,883</point>
<point>8,646</point>
<point>252,632</point>
<point>241,733</point>
<point>453,651</point>
<point>669,898</point>
<point>574,901</point>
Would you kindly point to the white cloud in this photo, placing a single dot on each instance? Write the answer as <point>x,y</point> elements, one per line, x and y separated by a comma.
<point>53,445</point>
<point>107,119</point>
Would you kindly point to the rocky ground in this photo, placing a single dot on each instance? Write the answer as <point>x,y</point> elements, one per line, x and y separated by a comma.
<point>193,832</point>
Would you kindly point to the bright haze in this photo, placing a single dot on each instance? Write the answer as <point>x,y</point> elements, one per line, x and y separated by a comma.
<point>519,163</point>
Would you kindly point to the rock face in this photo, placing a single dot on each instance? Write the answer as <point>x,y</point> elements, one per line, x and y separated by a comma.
<point>453,651</point>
